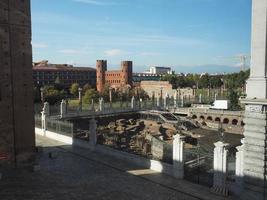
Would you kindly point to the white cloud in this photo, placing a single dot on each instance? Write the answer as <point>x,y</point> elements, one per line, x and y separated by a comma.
<point>115,52</point>
<point>39,45</point>
<point>150,54</point>
<point>97,2</point>
<point>72,51</point>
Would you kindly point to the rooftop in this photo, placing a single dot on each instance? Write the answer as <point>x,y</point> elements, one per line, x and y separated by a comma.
<point>46,66</point>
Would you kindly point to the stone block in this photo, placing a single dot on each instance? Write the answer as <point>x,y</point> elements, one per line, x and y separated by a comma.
<point>3,11</point>
<point>39,149</point>
<point>254,134</point>
<point>20,12</point>
<point>254,148</point>
<point>254,161</point>
<point>36,168</point>
<point>257,169</point>
<point>53,155</point>
<point>254,141</point>
<point>255,121</point>
<point>253,176</point>
<point>256,155</point>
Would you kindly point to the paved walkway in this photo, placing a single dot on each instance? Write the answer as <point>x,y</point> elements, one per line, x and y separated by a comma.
<point>80,174</point>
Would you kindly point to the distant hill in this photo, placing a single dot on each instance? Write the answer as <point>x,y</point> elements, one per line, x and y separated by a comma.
<point>207,68</point>
<point>210,68</point>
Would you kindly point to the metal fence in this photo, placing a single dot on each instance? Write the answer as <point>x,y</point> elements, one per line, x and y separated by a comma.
<point>38,121</point>
<point>61,127</point>
<point>199,165</point>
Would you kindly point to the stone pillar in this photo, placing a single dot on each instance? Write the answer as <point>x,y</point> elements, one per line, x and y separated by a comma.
<point>93,132</point>
<point>239,168</point>
<point>178,156</point>
<point>158,102</point>
<point>101,104</point>
<point>80,94</point>
<point>165,101</point>
<point>80,99</point>
<point>110,95</point>
<point>220,168</point>
<point>153,98</point>
<point>175,97</point>
<point>45,113</point>
<point>255,142</point>
<point>93,105</point>
<point>182,101</point>
<point>63,108</point>
<point>200,98</point>
<point>133,103</point>
<point>140,103</point>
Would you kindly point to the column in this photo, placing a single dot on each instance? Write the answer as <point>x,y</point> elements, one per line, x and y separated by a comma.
<point>80,99</point>
<point>93,132</point>
<point>45,113</point>
<point>175,99</point>
<point>153,99</point>
<point>220,168</point>
<point>255,142</point>
<point>182,100</point>
<point>63,108</point>
<point>200,98</point>
<point>158,101</point>
<point>178,157</point>
<point>101,104</point>
<point>93,105</point>
<point>165,101</point>
<point>133,103</point>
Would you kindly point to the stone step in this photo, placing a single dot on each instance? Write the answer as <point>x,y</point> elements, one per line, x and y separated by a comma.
<point>220,191</point>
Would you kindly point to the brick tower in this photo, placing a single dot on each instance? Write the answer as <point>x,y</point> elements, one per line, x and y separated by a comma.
<point>17,139</point>
<point>101,68</point>
<point>127,70</point>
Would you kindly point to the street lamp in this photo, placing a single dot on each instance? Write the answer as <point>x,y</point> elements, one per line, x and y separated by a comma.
<point>80,94</point>
<point>194,91</point>
<point>221,132</point>
<point>80,99</point>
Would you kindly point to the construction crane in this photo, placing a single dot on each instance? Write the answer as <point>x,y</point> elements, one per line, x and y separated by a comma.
<point>243,60</point>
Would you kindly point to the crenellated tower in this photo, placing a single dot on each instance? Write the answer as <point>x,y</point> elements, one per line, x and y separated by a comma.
<point>127,70</point>
<point>101,68</point>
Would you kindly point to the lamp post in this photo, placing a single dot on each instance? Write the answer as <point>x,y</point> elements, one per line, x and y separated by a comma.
<point>194,91</point>
<point>221,132</point>
<point>110,97</point>
<point>80,99</point>
<point>161,95</point>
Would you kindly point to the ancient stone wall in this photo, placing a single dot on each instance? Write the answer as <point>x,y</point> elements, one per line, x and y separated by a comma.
<point>16,86</point>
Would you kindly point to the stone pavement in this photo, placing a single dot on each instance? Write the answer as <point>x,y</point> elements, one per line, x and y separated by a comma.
<point>76,173</point>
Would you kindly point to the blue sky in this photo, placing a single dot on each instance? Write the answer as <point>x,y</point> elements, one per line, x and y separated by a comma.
<point>150,32</point>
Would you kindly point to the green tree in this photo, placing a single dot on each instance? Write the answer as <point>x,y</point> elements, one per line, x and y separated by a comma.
<point>52,95</point>
<point>74,89</point>
<point>58,84</point>
<point>215,81</point>
<point>234,100</point>
<point>143,95</point>
<point>86,87</point>
<point>204,81</point>
<point>90,94</point>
